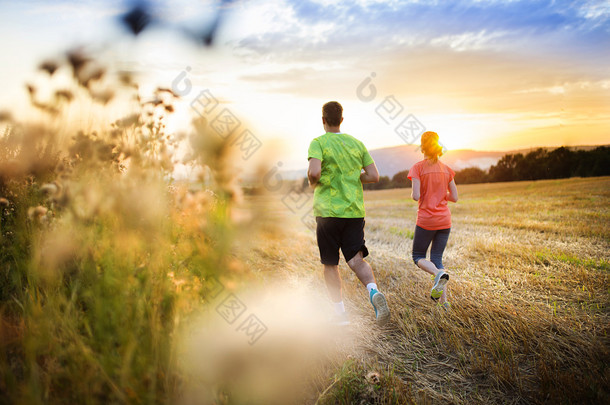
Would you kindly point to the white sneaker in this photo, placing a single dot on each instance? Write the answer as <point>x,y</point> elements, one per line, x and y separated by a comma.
<point>445,306</point>
<point>340,319</point>
<point>440,281</point>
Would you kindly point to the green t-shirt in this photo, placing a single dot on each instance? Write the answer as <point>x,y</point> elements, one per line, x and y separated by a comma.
<point>339,191</point>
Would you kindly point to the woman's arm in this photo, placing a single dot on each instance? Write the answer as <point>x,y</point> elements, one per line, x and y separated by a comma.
<point>453,193</point>
<point>415,189</point>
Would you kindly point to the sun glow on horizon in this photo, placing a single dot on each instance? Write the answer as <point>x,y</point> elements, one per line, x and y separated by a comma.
<point>481,81</point>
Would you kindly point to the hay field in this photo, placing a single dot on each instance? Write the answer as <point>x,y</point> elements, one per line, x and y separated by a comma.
<point>529,288</point>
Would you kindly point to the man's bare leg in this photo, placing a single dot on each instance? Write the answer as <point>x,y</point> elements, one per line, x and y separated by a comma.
<point>362,269</point>
<point>364,272</point>
<point>333,282</point>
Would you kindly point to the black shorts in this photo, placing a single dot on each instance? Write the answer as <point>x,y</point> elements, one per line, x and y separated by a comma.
<point>346,234</point>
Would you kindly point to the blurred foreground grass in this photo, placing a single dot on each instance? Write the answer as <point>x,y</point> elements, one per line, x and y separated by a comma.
<point>102,253</point>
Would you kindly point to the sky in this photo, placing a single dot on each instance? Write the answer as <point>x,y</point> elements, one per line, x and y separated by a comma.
<point>483,74</point>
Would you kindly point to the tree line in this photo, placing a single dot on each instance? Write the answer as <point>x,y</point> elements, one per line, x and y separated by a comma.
<point>538,164</point>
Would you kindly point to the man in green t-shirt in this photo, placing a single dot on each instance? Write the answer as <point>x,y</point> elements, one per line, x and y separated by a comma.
<point>335,171</point>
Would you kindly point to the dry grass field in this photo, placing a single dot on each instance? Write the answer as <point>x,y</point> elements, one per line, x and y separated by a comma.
<point>529,323</point>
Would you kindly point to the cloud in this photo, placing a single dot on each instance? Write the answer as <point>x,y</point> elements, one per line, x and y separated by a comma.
<point>598,11</point>
<point>68,10</point>
<point>540,61</point>
<point>368,26</point>
<point>468,40</point>
<point>425,79</point>
<point>490,56</point>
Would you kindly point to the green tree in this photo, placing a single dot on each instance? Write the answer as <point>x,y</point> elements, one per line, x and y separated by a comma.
<point>506,168</point>
<point>471,175</point>
<point>400,180</point>
<point>560,163</point>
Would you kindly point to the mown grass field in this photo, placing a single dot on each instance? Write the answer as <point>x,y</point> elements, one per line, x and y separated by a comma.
<point>530,294</point>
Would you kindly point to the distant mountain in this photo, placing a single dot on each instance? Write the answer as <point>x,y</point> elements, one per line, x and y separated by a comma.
<point>392,160</point>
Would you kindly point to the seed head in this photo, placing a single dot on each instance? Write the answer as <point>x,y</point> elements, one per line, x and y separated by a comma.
<point>64,94</point>
<point>373,377</point>
<point>36,213</point>
<point>49,189</point>
<point>49,66</point>
<point>5,116</point>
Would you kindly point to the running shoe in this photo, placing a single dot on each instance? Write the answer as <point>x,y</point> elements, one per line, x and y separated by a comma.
<point>444,306</point>
<point>382,312</point>
<point>440,281</point>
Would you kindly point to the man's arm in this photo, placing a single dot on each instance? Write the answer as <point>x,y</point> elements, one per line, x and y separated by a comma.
<point>415,189</point>
<point>370,174</point>
<point>314,172</point>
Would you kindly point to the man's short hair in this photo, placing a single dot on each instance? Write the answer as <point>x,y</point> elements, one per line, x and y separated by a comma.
<point>332,113</point>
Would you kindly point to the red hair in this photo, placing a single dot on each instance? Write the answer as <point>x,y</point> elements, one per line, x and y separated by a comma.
<point>430,146</point>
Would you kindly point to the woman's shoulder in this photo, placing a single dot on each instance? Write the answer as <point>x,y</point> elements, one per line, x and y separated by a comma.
<point>445,166</point>
<point>417,167</point>
<point>420,163</point>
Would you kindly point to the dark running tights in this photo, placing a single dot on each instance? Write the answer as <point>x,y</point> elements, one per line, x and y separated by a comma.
<point>421,241</point>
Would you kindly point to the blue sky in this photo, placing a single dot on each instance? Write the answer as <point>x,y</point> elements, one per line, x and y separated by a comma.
<point>484,74</point>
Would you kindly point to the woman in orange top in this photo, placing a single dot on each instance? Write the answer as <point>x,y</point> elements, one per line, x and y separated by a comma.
<point>433,186</point>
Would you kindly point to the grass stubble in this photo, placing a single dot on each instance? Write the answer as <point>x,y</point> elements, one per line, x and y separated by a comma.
<point>529,290</point>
